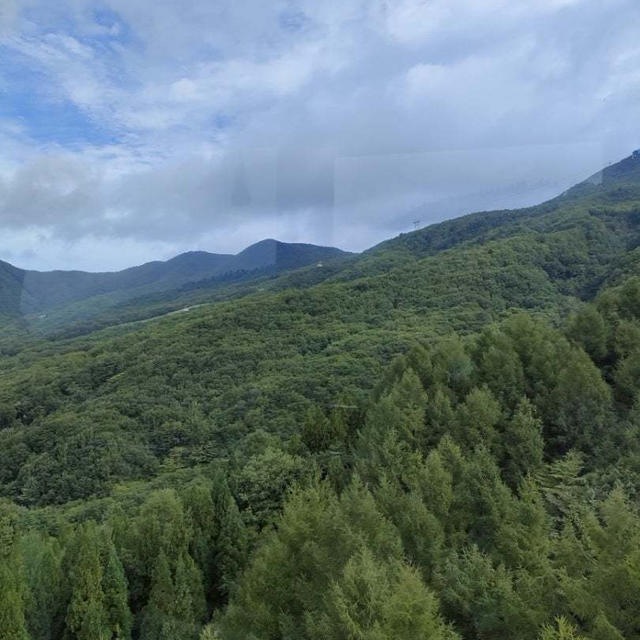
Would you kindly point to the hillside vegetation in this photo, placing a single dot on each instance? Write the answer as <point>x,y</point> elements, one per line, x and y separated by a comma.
<point>439,438</point>
<point>35,292</point>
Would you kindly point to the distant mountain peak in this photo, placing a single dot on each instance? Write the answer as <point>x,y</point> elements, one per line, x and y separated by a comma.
<point>33,291</point>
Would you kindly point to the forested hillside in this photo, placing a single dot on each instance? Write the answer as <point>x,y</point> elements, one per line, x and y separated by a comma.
<point>439,438</point>
<point>35,292</point>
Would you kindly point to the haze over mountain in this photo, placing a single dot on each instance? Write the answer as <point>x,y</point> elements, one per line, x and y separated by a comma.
<point>26,292</point>
<point>70,303</point>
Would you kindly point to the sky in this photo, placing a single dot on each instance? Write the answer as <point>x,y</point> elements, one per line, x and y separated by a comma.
<point>134,130</point>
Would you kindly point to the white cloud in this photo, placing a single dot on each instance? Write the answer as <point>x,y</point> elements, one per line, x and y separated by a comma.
<point>217,123</point>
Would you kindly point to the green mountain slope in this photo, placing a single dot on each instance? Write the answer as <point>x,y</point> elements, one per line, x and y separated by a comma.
<point>253,362</point>
<point>439,438</point>
<point>31,292</point>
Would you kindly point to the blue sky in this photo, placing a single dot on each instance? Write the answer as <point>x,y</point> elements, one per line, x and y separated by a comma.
<point>128,127</point>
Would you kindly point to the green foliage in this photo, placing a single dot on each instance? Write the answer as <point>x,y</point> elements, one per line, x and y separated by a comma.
<point>12,615</point>
<point>378,600</point>
<point>118,617</point>
<point>561,630</point>
<point>364,452</point>
<point>522,443</point>
<point>230,538</point>
<point>42,560</point>
<point>86,616</point>
<point>263,481</point>
<point>265,604</point>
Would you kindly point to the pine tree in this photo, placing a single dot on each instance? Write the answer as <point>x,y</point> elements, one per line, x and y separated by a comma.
<point>439,415</point>
<point>380,445</point>
<point>476,420</point>
<point>114,585</point>
<point>499,366</point>
<point>523,444</point>
<point>561,484</point>
<point>159,527</point>
<point>158,623</point>
<point>44,610</point>
<point>374,598</point>
<point>176,607</point>
<point>230,539</point>
<point>198,503</point>
<point>208,633</point>
<point>86,617</point>
<point>189,604</point>
<point>481,598</point>
<point>562,630</point>
<point>588,329</point>
<point>410,398</point>
<point>578,405</point>
<point>12,588</point>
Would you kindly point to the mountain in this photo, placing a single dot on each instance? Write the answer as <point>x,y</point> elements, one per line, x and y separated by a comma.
<point>438,438</point>
<point>28,292</point>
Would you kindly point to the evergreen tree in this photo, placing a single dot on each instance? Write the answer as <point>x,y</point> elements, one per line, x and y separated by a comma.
<point>578,406</point>
<point>499,367</point>
<point>86,617</point>
<point>12,591</point>
<point>410,398</point>
<point>44,604</point>
<point>589,329</point>
<point>439,415</point>
<point>381,599</point>
<point>481,598</point>
<point>421,533</point>
<point>114,586</point>
<point>160,527</point>
<point>561,630</point>
<point>229,536</point>
<point>523,444</point>
<point>476,420</point>
<point>264,604</point>
<point>380,444</point>
<point>189,605</point>
<point>158,621</point>
<point>199,509</point>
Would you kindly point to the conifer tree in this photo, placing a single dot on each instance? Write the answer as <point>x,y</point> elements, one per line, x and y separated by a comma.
<point>12,620</point>
<point>561,630</point>
<point>499,366</point>
<point>86,617</point>
<point>229,537</point>
<point>439,415</point>
<point>588,329</point>
<point>158,622</point>
<point>410,398</point>
<point>523,444</point>
<point>476,420</point>
<point>114,586</point>
<point>199,510</point>
<point>44,604</point>
<point>374,598</point>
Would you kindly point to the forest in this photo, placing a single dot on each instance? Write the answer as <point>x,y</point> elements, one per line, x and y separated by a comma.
<point>439,438</point>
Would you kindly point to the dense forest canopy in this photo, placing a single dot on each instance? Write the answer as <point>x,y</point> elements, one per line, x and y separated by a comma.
<point>439,438</point>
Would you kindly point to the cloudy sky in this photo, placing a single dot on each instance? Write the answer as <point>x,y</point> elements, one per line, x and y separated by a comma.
<point>132,130</point>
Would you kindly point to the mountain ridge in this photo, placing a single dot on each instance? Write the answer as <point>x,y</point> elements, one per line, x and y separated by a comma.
<point>270,265</point>
<point>25,291</point>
